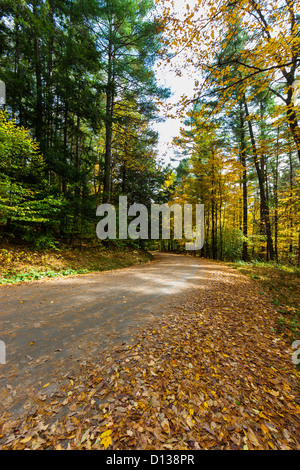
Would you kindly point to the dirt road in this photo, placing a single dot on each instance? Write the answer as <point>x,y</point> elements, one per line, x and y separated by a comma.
<point>201,366</point>
<point>51,327</point>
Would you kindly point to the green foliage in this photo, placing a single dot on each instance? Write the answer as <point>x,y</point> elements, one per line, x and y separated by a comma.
<point>232,244</point>
<point>25,205</point>
<point>70,70</point>
<point>35,275</point>
<point>282,282</point>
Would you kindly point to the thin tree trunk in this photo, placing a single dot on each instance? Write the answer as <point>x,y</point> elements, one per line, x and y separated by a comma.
<point>263,199</point>
<point>213,210</point>
<point>108,124</point>
<point>276,197</point>
<point>39,95</point>
<point>291,188</point>
<point>292,116</point>
<point>245,189</point>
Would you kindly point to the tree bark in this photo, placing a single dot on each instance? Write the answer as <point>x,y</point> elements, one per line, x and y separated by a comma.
<point>245,189</point>
<point>263,200</point>
<point>39,95</point>
<point>108,122</point>
<point>276,197</point>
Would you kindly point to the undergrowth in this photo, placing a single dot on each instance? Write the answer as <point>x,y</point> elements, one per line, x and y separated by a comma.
<point>283,285</point>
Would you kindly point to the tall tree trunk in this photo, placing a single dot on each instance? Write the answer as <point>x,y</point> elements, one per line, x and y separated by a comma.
<point>39,94</point>
<point>108,145</point>
<point>291,113</point>
<point>291,194</point>
<point>49,93</point>
<point>213,212</point>
<point>245,189</point>
<point>276,197</point>
<point>260,176</point>
<point>108,123</point>
<point>207,225</point>
<point>77,182</point>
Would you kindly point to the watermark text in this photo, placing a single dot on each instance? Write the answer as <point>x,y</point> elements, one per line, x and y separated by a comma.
<point>147,226</point>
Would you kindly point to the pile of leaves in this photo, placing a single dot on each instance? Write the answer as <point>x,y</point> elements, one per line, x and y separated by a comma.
<point>210,374</point>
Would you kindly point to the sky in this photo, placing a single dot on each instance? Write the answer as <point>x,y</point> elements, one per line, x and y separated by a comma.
<point>170,128</point>
<point>179,86</point>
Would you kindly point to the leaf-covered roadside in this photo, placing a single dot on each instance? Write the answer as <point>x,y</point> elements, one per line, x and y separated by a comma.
<point>25,264</point>
<point>211,374</point>
<point>282,283</point>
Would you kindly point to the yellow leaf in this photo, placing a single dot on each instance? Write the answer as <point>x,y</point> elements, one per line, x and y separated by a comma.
<point>106,442</point>
<point>261,415</point>
<point>264,429</point>
<point>106,439</point>
<point>46,385</point>
<point>275,393</point>
<point>106,433</point>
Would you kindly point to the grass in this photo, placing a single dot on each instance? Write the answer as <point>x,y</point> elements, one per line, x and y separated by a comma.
<point>24,264</point>
<point>282,282</point>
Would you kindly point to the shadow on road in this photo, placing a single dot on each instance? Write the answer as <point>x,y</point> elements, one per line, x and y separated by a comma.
<point>51,327</point>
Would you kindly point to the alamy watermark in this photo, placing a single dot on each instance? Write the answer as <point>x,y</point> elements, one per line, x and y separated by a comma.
<point>2,353</point>
<point>2,93</point>
<point>296,354</point>
<point>147,226</point>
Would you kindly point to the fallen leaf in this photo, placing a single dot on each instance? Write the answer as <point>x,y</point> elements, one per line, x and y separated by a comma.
<point>165,425</point>
<point>252,438</point>
<point>106,440</point>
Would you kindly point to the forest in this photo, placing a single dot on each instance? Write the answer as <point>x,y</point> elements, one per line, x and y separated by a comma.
<point>76,130</point>
<point>241,135</point>
<point>82,97</point>
<point>145,344</point>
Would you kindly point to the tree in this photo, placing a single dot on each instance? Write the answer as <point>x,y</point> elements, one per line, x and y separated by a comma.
<point>135,169</point>
<point>69,67</point>
<point>128,35</point>
<point>25,205</point>
<point>270,57</point>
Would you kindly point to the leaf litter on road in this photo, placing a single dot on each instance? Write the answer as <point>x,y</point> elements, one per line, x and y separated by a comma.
<point>210,374</point>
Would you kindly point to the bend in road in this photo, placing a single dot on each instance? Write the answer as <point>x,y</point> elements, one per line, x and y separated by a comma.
<point>50,326</point>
